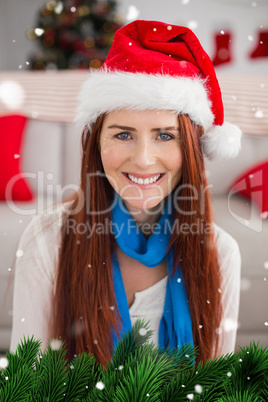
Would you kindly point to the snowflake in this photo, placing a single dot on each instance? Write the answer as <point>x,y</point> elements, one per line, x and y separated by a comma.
<point>3,362</point>
<point>100,385</point>
<point>142,331</point>
<point>19,253</point>
<point>39,31</point>
<point>132,13</point>
<point>258,114</point>
<point>198,388</point>
<point>55,344</point>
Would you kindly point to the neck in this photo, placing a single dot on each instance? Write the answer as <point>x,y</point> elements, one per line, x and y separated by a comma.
<point>145,219</point>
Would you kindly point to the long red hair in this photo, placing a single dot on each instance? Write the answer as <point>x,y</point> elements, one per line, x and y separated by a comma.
<point>84,310</point>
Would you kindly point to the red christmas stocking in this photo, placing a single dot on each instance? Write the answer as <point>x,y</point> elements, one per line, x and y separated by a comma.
<point>262,47</point>
<point>253,185</point>
<point>223,51</point>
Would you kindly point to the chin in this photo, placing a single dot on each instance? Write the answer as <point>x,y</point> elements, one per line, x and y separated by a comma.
<point>145,204</point>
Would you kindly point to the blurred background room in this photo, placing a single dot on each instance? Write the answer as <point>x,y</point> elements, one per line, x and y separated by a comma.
<point>46,49</point>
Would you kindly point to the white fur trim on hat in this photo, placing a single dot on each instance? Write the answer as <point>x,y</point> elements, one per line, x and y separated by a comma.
<point>105,91</point>
<point>222,142</point>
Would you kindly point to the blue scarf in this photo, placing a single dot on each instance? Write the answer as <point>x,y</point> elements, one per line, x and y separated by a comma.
<point>175,326</point>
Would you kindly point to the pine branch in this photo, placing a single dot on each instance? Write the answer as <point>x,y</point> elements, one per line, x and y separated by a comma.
<point>250,371</point>
<point>138,371</point>
<point>150,371</point>
<point>51,375</point>
<point>209,378</point>
<point>18,386</point>
<point>241,397</point>
<point>82,377</point>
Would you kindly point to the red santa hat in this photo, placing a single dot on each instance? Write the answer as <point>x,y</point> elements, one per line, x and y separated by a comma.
<point>157,66</point>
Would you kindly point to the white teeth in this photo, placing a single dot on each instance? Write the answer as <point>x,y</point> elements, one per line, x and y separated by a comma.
<point>146,181</point>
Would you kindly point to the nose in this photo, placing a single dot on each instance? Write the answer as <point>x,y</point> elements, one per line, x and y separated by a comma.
<point>144,153</point>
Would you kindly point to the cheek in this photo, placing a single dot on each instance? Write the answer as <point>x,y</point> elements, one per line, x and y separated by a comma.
<point>111,159</point>
<point>175,161</point>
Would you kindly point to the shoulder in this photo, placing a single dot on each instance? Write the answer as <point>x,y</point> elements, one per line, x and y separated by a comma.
<point>228,250</point>
<point>41,239</point>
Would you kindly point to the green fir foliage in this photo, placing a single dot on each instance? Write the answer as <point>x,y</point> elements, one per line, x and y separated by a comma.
<point>138,371</point>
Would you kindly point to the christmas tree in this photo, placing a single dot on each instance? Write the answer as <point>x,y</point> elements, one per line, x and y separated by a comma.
<point>73,34</point>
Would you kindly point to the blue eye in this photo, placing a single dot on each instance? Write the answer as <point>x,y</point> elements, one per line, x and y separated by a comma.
<point>166,138</point>
<point>122,136</point>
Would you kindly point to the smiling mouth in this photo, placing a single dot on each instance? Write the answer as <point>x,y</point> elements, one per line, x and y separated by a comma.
<point>145,180</point>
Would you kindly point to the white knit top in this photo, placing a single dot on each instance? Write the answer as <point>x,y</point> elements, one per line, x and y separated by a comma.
<point>35,281</point>
<point>149,304</point>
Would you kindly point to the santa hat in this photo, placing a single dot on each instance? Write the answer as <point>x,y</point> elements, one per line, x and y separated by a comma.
<point>157,66</point>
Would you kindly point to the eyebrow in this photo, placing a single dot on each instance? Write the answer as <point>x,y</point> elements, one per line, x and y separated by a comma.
<point>133,129</point>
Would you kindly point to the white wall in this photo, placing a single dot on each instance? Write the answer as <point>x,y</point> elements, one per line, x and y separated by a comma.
<point>243,17</point>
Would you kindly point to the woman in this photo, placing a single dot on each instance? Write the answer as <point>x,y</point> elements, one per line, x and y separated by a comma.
<point>137,239</point>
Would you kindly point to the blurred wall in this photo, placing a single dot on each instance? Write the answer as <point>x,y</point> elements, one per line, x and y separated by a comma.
<point>242,17</point>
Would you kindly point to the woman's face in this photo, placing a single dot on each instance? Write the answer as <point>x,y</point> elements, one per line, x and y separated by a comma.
<point>141,155</point>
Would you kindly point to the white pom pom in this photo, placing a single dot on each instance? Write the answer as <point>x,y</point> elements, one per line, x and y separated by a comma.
<point>222,142</point>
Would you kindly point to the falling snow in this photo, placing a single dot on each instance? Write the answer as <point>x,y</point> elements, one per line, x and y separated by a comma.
<point>3,362</point>
<point>266,265</point>
<point>258,114</point>
<point>218,331</point>
<point>58,9</point>
<point>39,31</point>
<point>179,280</point>
<point>12,94</point>
<point>229,374</point>
<point>132,13</point>
<point>190,396</point>
<point>250,37</point>
<point>19,253</point>
<point>55,344</point>
<point>142,331</point>
<point>192,25</point>
<point>198,388</point>
<point>100,385</point>
<point>245,284</point>
<point>230,325</point>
